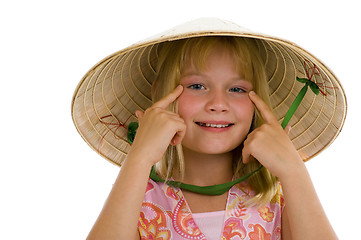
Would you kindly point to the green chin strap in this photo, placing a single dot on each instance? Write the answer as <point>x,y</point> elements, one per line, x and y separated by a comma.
<point>218,189</point>
<point>222,188</point>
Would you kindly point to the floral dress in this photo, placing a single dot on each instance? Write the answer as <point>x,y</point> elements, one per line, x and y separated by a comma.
<point>165,215</point>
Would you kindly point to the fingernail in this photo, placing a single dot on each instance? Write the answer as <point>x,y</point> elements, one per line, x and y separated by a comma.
<point>252,93</point>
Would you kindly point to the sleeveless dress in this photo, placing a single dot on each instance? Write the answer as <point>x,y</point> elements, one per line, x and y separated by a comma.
<point>165,215</point>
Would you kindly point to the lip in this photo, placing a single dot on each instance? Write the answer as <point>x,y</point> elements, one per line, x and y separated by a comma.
<point>218,129</point>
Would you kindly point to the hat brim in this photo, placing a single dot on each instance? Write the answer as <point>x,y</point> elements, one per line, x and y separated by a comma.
<point>110,92</point>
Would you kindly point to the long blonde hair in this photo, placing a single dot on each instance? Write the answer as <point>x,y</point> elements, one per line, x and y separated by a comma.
<point>172,58</point>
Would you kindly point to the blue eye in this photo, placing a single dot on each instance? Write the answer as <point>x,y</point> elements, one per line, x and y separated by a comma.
<point>237,90</point>
<point>196,86</point>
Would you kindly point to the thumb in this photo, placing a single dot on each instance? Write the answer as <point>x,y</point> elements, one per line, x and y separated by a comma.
<point>246,155</point>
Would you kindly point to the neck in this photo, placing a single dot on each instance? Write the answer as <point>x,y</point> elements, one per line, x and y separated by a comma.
<point>207,169</point>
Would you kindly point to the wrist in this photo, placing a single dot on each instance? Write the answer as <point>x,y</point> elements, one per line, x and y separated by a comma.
<point>139,157</point>
<point>294,172</point>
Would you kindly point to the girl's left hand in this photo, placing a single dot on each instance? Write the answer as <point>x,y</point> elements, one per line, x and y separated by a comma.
<point>269,143</point>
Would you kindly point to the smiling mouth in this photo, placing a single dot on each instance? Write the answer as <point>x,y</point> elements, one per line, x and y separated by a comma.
<point>214,125</point>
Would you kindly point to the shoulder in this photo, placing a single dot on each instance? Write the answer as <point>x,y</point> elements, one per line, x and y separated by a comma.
<point>278,197</point>
<point>161,195</point>
<point>245,190</point>
<point>153,187</point>
<point>161,190</point>
<point>254,219</point>
<point>157,211</point>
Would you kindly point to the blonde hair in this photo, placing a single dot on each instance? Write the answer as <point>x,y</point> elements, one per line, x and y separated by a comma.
<point>173,56</point>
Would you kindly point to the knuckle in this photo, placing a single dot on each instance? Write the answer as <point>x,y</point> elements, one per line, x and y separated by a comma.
<point>158,109</point>
<point>148,110</point>
<point>252,145</point>
<point>264,128</point>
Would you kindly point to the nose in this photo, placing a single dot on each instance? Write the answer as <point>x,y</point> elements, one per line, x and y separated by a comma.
<point>217,102</point>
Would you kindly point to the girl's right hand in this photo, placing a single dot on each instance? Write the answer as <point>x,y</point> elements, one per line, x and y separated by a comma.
<point>158,128</point>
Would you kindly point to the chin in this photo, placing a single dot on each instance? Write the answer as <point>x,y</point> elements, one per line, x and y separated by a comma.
<point>213,149</point>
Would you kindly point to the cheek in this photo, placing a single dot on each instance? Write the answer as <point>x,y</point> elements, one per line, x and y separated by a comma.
<point>244,108</point>
<point>188,105</point>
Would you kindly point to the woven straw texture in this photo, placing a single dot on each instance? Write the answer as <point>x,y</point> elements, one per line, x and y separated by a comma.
<point>111,92</point>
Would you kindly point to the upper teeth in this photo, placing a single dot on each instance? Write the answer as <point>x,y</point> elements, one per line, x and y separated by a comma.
<point>213,125</point>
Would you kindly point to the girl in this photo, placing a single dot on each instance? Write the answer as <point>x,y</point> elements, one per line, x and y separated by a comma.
<point>211,123</point>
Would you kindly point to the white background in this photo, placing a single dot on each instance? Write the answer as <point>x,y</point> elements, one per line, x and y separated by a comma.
<point>52,185</point>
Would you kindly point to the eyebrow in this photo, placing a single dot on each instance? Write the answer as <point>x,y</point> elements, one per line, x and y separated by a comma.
<point>192,74</point>
<point>200,74</point>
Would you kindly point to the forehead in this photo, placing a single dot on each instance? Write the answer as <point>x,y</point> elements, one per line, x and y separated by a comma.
<point>196,52</point>
<point>196,61</point>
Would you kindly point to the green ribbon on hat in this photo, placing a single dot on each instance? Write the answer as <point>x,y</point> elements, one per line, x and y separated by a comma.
<point>222,188</point>
<point>299,97</point>
<point>132,130</point>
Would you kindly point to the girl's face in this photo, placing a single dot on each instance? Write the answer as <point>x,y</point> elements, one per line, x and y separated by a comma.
<point>215,105</point>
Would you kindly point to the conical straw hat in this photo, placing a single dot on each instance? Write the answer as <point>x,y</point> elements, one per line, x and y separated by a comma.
<point>107,97</point>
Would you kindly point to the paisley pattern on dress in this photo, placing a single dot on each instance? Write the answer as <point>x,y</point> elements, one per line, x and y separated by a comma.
<point>234,229</point>
<point>165,215</point>
<point>266,214</point>
<point>184,223</point>
<point>154,226</point>
<point>259,233</point>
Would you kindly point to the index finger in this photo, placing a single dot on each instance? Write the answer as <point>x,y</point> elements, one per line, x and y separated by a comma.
<point>171,97</point>
<point>263,108</point>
